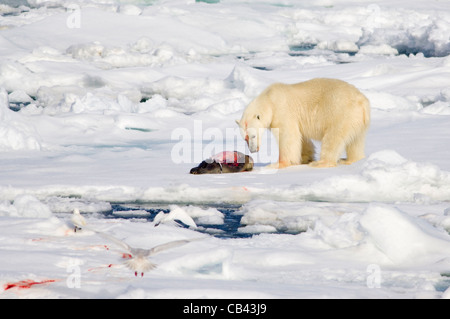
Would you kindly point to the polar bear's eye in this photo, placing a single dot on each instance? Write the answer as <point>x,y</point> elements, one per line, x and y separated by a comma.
<point>257,116</point>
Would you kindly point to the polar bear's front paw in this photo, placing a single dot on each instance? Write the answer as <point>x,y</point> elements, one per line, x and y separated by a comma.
<point>345,162</point>
<point>322,164</point>
<point>277,165</point>
<point>272,166</point>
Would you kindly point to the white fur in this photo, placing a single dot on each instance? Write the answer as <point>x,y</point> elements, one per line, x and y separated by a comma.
<point>327,110</point>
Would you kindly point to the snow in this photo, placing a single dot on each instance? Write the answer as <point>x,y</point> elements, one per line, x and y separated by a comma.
<point>113,102</point>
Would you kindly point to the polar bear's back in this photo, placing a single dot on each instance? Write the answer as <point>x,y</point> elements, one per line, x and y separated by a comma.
<point>318,103</point>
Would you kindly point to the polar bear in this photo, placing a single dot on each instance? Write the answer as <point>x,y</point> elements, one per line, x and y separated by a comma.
<point>328,110</point>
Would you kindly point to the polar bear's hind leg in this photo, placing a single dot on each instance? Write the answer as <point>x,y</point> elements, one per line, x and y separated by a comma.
<point>355,150</point>
<point>333,144</point>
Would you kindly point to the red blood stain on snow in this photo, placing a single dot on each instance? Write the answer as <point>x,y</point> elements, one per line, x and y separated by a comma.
<point>99,247</point>
<point>96,269</point>
<point>26,284</point>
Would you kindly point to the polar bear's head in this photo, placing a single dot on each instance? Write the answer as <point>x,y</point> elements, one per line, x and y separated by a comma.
<point>255,119</point>
<point>250,132</point>
<point>252,128</point>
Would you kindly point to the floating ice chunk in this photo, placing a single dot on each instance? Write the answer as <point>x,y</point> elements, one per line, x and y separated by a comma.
<point>389,173</point>
<point>257,229</point>
<point>342,233</point>
<point>403,238</point>
<point>339,46</point>
<point>282,216</point>
<point>19,96</point>
<point>207,216</point>
<point>382,49</point>
<point>388,177</point>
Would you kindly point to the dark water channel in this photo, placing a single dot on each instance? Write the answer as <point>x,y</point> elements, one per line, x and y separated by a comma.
<point>229,228</point>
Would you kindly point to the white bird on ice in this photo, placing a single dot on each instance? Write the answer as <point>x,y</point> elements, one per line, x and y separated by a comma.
<point>176,214</point>
<point>138,261</point>
<point>77,220</point>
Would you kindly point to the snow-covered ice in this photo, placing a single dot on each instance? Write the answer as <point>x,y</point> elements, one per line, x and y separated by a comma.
<point>107,102</point>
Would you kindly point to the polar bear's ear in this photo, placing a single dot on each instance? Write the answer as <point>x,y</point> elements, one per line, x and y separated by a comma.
<point>238,123</point>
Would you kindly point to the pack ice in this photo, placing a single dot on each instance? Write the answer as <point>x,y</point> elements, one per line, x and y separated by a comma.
<point>107,104</point>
